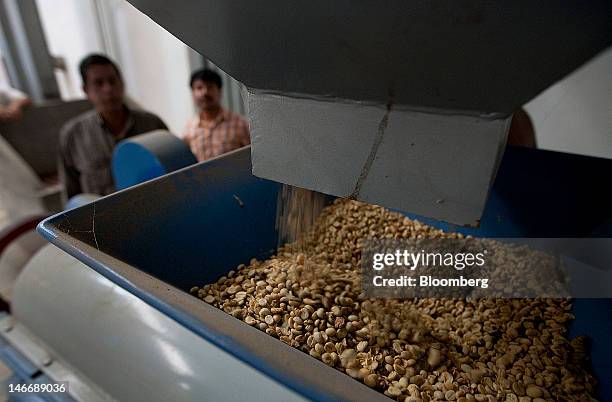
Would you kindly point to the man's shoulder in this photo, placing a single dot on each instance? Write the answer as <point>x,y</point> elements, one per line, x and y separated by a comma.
<point>147,121</point>
<point>236,117</point>
<point>193,122</point>
<point>77,124</point>
<point>144,115</point>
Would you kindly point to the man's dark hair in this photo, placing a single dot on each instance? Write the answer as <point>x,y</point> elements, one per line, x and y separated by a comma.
<point>206,75</point>
<point>95,60</point>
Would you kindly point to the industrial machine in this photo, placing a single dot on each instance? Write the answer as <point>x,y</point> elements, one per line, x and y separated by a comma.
<point>147,156</point>
<point>127,303</point>
<point>28,186</point>
<point>405,105</point>
<point>354,99</point>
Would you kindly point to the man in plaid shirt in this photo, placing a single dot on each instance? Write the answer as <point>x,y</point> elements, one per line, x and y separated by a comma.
<point>214,130</point>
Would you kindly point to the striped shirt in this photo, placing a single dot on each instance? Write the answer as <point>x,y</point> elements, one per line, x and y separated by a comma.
<point>86,149</point>
<point>207,139</point>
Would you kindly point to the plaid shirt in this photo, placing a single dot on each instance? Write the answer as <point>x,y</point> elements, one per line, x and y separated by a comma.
<point>208,139</point>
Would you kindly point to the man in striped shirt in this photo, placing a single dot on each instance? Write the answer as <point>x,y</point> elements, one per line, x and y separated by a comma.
<point>87,141</point>
<point>214,130</point>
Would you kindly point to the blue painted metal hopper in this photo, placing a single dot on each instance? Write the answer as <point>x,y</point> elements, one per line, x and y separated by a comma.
<point>160,238</point>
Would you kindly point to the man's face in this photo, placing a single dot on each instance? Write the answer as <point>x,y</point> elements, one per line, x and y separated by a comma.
<point>104,87</point>
<point>206,95</point>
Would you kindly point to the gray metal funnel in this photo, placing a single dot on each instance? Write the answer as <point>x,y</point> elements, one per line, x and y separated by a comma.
<point>399,103</point>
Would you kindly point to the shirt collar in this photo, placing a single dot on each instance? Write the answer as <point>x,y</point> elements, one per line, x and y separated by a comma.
<point>128,125</point>
<point>223,115</point>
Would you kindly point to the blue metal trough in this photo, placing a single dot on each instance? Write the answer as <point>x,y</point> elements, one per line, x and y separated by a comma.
<point>162,237</point>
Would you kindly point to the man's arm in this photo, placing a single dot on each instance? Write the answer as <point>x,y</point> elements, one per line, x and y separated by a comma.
<point>14,110</point>
<point>187,135</point>
<point>245,136</point>
<point>68,174</point>
<point>521,131</point>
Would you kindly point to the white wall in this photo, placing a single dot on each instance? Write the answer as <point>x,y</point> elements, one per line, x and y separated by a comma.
<point>575,115</point>
<point>70,31</point>
<point>154,63</point>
